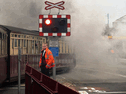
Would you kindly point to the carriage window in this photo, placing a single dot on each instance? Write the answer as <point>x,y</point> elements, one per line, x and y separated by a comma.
<point>0,35</point>
<point>15,35</point>
<point>19,42</point>
<point>12,43</point>
<point>32,37</point>
<point>24,36</point>
<point>27,46</point>
<point>12,35</point>
<point>36,46</point>
<point>0,47</point>
<point>33,47</point>
<point>15,42</point>
<point>24,43</point>
<point>63,47</point>
<point>5,36</point>
<point>32,43</point>
<point>19,36</point>
<point>36,43</point>
<point>5,44</point>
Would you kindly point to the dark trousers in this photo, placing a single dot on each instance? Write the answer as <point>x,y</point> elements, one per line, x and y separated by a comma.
<point>44,70</point>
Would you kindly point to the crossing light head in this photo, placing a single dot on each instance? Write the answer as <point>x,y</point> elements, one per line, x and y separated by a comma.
<point>48,22</point>
<point>54,25</point>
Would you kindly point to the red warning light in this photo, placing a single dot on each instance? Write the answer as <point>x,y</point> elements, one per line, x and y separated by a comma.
<point>48,22</point>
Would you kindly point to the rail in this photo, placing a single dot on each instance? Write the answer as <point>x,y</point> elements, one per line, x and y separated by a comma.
<point>38,83</point>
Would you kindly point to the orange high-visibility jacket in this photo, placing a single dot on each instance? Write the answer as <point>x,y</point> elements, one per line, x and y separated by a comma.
<point>48,58</point>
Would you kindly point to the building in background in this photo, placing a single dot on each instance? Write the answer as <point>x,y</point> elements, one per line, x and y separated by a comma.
<point>119,36</point>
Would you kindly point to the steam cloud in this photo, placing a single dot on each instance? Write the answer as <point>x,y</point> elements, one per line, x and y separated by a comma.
<point>25,14</point>
<point>93,51</point>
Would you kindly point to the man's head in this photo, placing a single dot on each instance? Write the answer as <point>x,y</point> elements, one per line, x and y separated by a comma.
<point>44,46</point>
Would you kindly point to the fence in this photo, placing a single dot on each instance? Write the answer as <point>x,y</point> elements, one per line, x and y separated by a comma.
<point>38,83</point>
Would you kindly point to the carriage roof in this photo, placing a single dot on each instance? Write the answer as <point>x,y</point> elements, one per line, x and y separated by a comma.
<point>11,29</point>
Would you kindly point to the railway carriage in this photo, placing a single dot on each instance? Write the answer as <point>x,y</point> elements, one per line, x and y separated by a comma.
<point>3,55</point>
<point>31,44</point>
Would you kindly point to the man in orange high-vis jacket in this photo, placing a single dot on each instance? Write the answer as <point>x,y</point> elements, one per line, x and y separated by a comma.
<point>46,60</point>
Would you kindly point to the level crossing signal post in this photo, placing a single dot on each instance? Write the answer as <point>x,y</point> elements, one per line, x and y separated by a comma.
<point>54,26</point>
<point>53,46</point>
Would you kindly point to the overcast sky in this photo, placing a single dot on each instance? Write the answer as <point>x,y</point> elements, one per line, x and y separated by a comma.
<point>115,8</point>
<point>25,9</point>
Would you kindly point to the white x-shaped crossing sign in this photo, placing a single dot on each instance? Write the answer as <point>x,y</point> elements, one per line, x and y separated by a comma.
<point>54,5</point>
